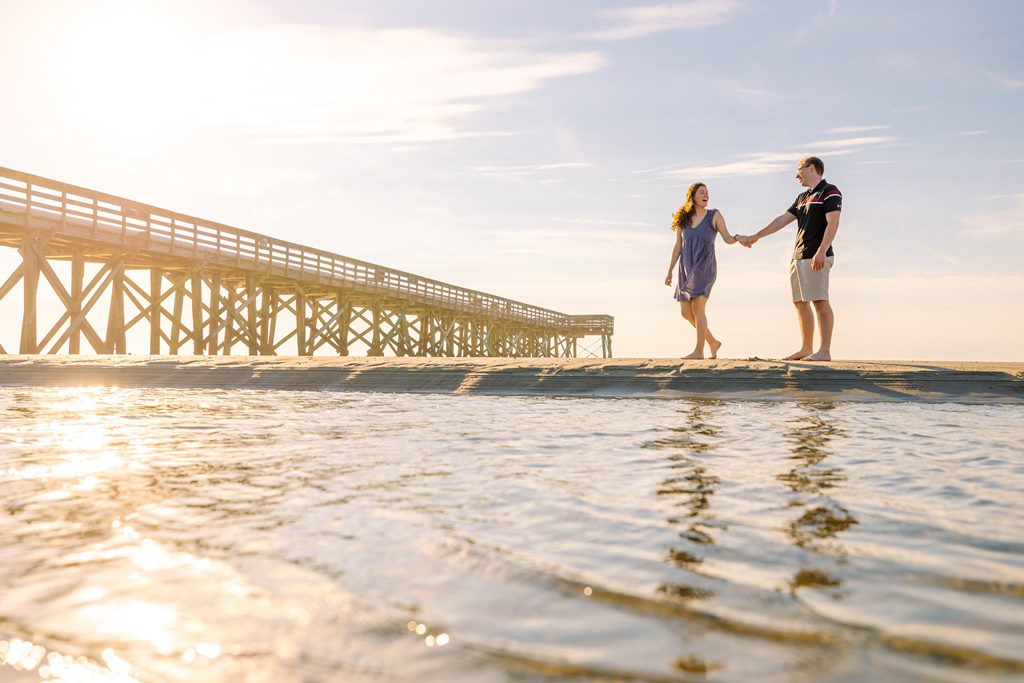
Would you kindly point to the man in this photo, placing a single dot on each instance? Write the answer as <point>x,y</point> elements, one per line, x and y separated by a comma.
<point>816,212</point>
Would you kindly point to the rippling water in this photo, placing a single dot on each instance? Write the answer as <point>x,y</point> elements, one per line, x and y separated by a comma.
<point>197,535</point>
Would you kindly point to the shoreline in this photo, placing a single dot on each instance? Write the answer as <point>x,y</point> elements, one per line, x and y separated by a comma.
<point>723,379</point>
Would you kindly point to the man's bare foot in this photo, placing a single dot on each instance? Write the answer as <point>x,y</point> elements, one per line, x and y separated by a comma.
<point>696,355</point>
<point>820,355</point>
<point>715,345</point>
<point>799,355</point>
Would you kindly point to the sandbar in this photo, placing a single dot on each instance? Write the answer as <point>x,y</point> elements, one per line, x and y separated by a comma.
<point>750,379</point>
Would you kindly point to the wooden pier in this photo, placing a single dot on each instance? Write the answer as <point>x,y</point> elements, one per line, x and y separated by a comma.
<point>203,288</point>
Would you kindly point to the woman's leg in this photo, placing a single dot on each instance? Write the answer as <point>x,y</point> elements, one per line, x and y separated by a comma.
<point>687,309</point>
<point>700,321</point>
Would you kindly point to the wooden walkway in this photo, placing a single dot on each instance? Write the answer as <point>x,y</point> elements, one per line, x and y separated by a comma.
<point>204,288</point>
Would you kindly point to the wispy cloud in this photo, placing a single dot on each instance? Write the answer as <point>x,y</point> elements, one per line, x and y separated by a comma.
<point>856,129</point>
<point>819,20</point>
<point>972,133</point>
<point>753,95</point>
<point>761,163</point>
<point>297,84</point>
<point>531,236</point>
<point>1007,82</point>
<point>849,142</point>
<point>601,221</point>
<point>943,256</point>
<point>636,22</point>
<point>900,62</point>
<point>522,172</point>
<point>1006,220</point>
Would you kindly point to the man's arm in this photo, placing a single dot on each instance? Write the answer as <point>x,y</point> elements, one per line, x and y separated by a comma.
<point>831,228</point>
<point>778,223</point>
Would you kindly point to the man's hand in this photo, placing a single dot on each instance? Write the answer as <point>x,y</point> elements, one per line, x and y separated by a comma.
<point>746,240</point>
<point>818,262</point>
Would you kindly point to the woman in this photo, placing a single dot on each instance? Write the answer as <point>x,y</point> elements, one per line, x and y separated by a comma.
<point>696,227</point>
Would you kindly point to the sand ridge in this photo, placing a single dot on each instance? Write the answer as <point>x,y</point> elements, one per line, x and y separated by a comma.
<point>757,379</point>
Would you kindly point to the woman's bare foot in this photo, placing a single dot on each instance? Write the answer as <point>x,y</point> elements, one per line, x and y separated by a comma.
<point>820,355</point>
<point>715,345</point>
<point>799,355</point>
<point>696,355</point>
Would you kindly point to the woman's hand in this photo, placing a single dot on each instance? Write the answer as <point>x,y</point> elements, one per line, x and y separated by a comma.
<point>668,278</point>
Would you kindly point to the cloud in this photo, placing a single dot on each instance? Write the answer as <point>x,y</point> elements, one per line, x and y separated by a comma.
<point>636,22</point>
<point>1006,221</point>
<point>601,221</point>
<point>1006,81</point>
<point>534,236</point>
<point>818,21</point>
<point>297,83</point>
<point>972,133</point>
<point>856,129</point>
<point>521,172</point>
<point>748,94</point>
<point>900,62</point>
<point>761,163</point>
<point>362,85</point>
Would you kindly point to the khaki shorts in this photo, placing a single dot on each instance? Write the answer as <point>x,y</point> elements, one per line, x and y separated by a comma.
<point>807,284</point>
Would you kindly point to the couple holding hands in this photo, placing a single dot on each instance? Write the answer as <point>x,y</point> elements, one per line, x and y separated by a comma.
<point>816,212</point>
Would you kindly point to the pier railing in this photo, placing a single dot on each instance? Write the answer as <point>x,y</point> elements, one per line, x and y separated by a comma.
<point>100,217</point>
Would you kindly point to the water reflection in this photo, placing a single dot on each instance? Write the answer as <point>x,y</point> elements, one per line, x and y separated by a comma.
<point>690,489</point>
<point>210,536</point>
<point>812,480</point>
<point>25,656</point>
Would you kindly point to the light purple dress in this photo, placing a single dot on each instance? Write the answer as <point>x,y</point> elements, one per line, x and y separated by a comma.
<point>697,266</point>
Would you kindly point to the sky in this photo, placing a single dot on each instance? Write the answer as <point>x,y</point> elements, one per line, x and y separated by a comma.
<point>537,150</point>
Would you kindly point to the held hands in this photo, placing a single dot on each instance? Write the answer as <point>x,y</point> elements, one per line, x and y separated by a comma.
<point>746,240</point>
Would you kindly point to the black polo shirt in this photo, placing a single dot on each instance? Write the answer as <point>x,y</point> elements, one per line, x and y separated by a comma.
<point>810,208</point>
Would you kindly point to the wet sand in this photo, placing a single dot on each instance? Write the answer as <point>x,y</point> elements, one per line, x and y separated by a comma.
<point>752,379</point>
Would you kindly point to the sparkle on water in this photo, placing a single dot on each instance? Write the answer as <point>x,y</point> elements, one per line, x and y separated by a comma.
<point>209,535</point>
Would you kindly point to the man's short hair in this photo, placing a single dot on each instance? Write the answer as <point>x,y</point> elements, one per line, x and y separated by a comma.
<point>817,163</point>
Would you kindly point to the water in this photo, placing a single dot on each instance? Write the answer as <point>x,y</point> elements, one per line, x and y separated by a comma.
<point>198,535</point>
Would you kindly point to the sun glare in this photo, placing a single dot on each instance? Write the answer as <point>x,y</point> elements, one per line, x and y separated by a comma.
<point>121,68</point>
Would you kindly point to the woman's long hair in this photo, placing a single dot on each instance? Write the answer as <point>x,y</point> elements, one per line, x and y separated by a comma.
<point>684,216</point>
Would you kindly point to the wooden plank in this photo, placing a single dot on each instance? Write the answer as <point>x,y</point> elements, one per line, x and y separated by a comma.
<point>66,298</point>
<point>251,319</point>
<point>215,305</point>
<point>13,280</point>
<point>197,313</point>
<point>30,275</point>
<point>156,281</point>
<point>115,341</point>
<point>77,282</point>
<point>300,322</point>
<point>107,273</point>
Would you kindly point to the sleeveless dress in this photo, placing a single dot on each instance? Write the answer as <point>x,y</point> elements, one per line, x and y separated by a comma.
<point>697,266</point>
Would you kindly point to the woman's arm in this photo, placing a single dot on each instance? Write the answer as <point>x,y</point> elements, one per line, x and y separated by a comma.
<point>675,255</point>
<point>719,224</point>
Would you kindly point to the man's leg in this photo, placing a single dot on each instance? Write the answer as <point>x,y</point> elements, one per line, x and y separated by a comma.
<point>826,320</point>
<point>806,319</point>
